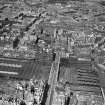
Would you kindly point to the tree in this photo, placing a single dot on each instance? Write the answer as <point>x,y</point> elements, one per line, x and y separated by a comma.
<point>32,89</point>
<point>15,42</point>
<point>22,103</point>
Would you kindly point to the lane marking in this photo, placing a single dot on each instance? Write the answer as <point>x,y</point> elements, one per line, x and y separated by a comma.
<point>6,72</point>
<point>11,65</point>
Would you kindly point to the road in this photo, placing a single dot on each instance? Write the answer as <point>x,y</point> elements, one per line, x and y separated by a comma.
<point>53,79</point>
<point>53,75</point>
